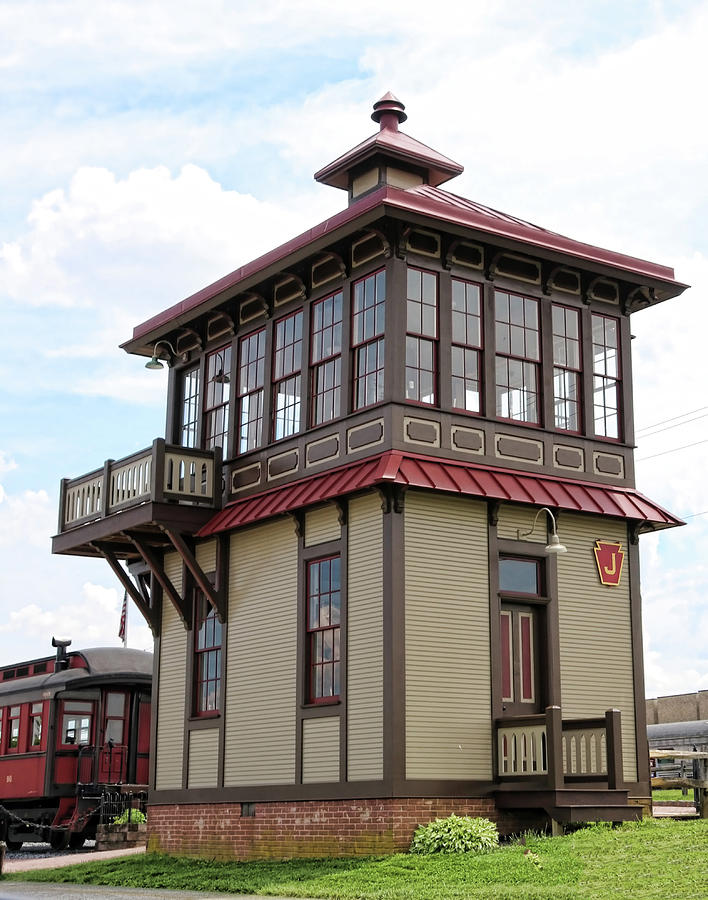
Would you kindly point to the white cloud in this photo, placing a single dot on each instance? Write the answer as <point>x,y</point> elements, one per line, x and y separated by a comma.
<point>7,464</point>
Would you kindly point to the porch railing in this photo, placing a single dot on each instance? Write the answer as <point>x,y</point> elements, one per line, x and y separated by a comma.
<point>560,751</point>
<point>160,473</point>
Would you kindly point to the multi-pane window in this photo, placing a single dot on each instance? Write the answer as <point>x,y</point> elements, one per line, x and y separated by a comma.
<point>216,400</point>
<point>13,728</point>
<point>368,322</point>
<point>114,717</point>
<point>518,354</point>
<point>189,408</point>
<point>207,657</point>
<point>326,358</point>
<point>76,722</point>
<point>421,335</point>
<point>287,361</point>
<point>35,729</point>
<point>466,346</point>
<point>566,368</point>
<point>251,371</point>
<point>606,376</point>
<point>323,623</point>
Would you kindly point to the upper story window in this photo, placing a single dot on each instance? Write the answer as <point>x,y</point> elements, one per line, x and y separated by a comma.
<point>566,368</point>
<point>323,629</point>
<point>35,726</point>
<point>518,357</point>
<point>606,376</point>
<point>207,657</point>
<point>326,358</point>
<point>287,387</point>
<point>520,576</point>
<point>251,372</point>
<point>189,407</point>
<point>421,335</point>
<point>466,346</point>
<point>216,400</point>
<point>368,323</point>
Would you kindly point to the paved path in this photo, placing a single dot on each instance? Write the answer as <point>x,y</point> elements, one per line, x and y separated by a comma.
<point>56,862</point>
<point>22,890</point>
<point>675,812</point>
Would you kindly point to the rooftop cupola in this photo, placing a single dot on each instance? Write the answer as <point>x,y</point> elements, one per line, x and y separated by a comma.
<point>389,157</point>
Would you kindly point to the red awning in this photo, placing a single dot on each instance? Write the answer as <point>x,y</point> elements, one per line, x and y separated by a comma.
<point>443,475</point>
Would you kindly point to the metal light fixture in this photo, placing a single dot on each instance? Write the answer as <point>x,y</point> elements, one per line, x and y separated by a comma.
<point>554,546</point>
<point>155,362</point>
<point>221,377</point>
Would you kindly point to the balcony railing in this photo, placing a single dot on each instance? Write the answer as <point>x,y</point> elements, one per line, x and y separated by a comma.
<point>161,473</point>
<point>560,751</point>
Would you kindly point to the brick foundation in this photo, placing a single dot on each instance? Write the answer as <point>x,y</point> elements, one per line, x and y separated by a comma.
<point>311,828</point>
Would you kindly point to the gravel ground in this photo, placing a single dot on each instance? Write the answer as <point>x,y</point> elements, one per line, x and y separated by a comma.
<point>44,851</point>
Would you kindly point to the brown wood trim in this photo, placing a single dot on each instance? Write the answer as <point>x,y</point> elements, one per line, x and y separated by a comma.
<point>215,597</point>
<point>223,563</point>
<point>154,708</point>
<point>395,329</point>
<point>394,659</point>
<point>640,707</point>
<point>131,589</point>
<point>158,571</point>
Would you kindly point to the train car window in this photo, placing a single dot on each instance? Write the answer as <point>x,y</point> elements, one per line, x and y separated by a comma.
<point>115,714</point>
<point>36,724</point>
<point>13,729</point>
<point>76,723</point>
<point>2,719</point>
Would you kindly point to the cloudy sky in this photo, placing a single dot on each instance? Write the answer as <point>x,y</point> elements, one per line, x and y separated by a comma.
<point>150,147</point>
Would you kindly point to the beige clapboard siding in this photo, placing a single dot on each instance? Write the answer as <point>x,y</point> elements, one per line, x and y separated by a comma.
<point>262,656</point>
<point>206,556</point>
<point>171,687</point>
<point>203,770</point>
<point>320,750</point>
<point>515,520</point>
<point>365,639</point>
<point>322,525</point>
<point>595,630</point>
<point>448,688</point>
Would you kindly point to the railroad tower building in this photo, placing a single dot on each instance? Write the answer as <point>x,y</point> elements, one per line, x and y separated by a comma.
<point>388,545</point>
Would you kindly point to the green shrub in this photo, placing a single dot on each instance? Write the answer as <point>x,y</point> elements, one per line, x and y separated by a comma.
<point>456,834</point>
<point>133,816</point>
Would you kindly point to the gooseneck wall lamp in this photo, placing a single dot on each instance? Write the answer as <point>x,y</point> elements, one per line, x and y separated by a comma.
<point>155,361</point>
<point>554,545</point>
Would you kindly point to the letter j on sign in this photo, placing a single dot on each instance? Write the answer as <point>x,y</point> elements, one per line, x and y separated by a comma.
<point>609,557</point>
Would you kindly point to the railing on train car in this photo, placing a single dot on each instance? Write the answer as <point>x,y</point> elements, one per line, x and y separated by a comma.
<point>114,804</point>
<point>107,766</point>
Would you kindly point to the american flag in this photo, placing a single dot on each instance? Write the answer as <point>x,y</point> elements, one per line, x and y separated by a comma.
<point>123,619</point>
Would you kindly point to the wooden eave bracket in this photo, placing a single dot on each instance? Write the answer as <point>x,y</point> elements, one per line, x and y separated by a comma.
<point>298,288</point>
<point>150,614</point>
<point>298,520</point>
<point>216,597</point>
<point>489,271</point>
<point>493,507</point>
<point>182,608</point>
<point>342,506</point>
<point>401,242</point>
<point>637,298</point>
<point>392,497</point>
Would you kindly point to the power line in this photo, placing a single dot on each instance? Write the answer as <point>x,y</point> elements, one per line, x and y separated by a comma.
<point>695,515</point>
<point>672,419</point>
<point>673,450</point>
<point>677,425</point>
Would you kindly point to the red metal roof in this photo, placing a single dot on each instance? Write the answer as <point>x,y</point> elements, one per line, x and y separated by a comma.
<point>443,475</point>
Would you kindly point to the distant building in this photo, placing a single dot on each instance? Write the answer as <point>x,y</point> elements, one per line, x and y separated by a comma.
<point>346,545</point>
<point>677,708</point>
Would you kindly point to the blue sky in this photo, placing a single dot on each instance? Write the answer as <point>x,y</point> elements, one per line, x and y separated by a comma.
<point>149,148</point>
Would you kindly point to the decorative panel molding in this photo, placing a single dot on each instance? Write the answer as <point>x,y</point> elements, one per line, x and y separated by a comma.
<point>322,450</point>
<point>507,447</point>
<point>608,464</point>
<point>421,431</point>
<point>361,437</point>
<point>572,458</point>
<point>471,440</point>
<point>245,477</point>
<point>283,464</point>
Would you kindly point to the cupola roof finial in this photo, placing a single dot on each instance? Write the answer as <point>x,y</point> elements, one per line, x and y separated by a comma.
<point>389,112</point>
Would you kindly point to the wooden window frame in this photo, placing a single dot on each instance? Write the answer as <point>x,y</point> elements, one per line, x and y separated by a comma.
<point>311,694</point>
<point>422,337</point>
<point>529,364</point>
<point>321,363</point>
<point>18,732</point>
<point>189,403</point>
<point>465,347</point>
<point>251,391</point>
<point>601,381</point>
<point>34,716</point>
<point>77,714</point>
<point>370,347</point>
<point>289,416</point>
<point>217,394</point>
<point>562,370</point>
<point>204,613</point>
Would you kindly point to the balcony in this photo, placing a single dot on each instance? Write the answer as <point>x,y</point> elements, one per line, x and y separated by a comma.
<point>571,768</point>
<point>163,486</point>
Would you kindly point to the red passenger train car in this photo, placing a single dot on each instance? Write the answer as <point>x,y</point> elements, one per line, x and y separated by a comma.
<point>73,728</point>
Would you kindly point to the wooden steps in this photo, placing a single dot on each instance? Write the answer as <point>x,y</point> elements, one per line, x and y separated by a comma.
<point>568,805</point>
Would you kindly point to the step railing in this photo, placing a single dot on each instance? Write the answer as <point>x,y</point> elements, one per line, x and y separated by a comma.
<point>560,751</point>
<point>160,473</point>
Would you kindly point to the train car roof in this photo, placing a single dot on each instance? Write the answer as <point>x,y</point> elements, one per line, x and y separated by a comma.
<point>665,731</point>
<point>102,665</point>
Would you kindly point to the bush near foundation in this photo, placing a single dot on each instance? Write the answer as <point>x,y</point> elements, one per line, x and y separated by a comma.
<point>455,834</point>
<point>130,816</point>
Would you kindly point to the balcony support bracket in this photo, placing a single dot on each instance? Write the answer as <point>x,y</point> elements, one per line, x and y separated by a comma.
<point>151,616</point>
<point>180,604</point>
<point>216,597</point>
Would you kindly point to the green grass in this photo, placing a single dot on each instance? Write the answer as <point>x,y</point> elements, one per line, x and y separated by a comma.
<point>652,858</point>
<point>672,794</point>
